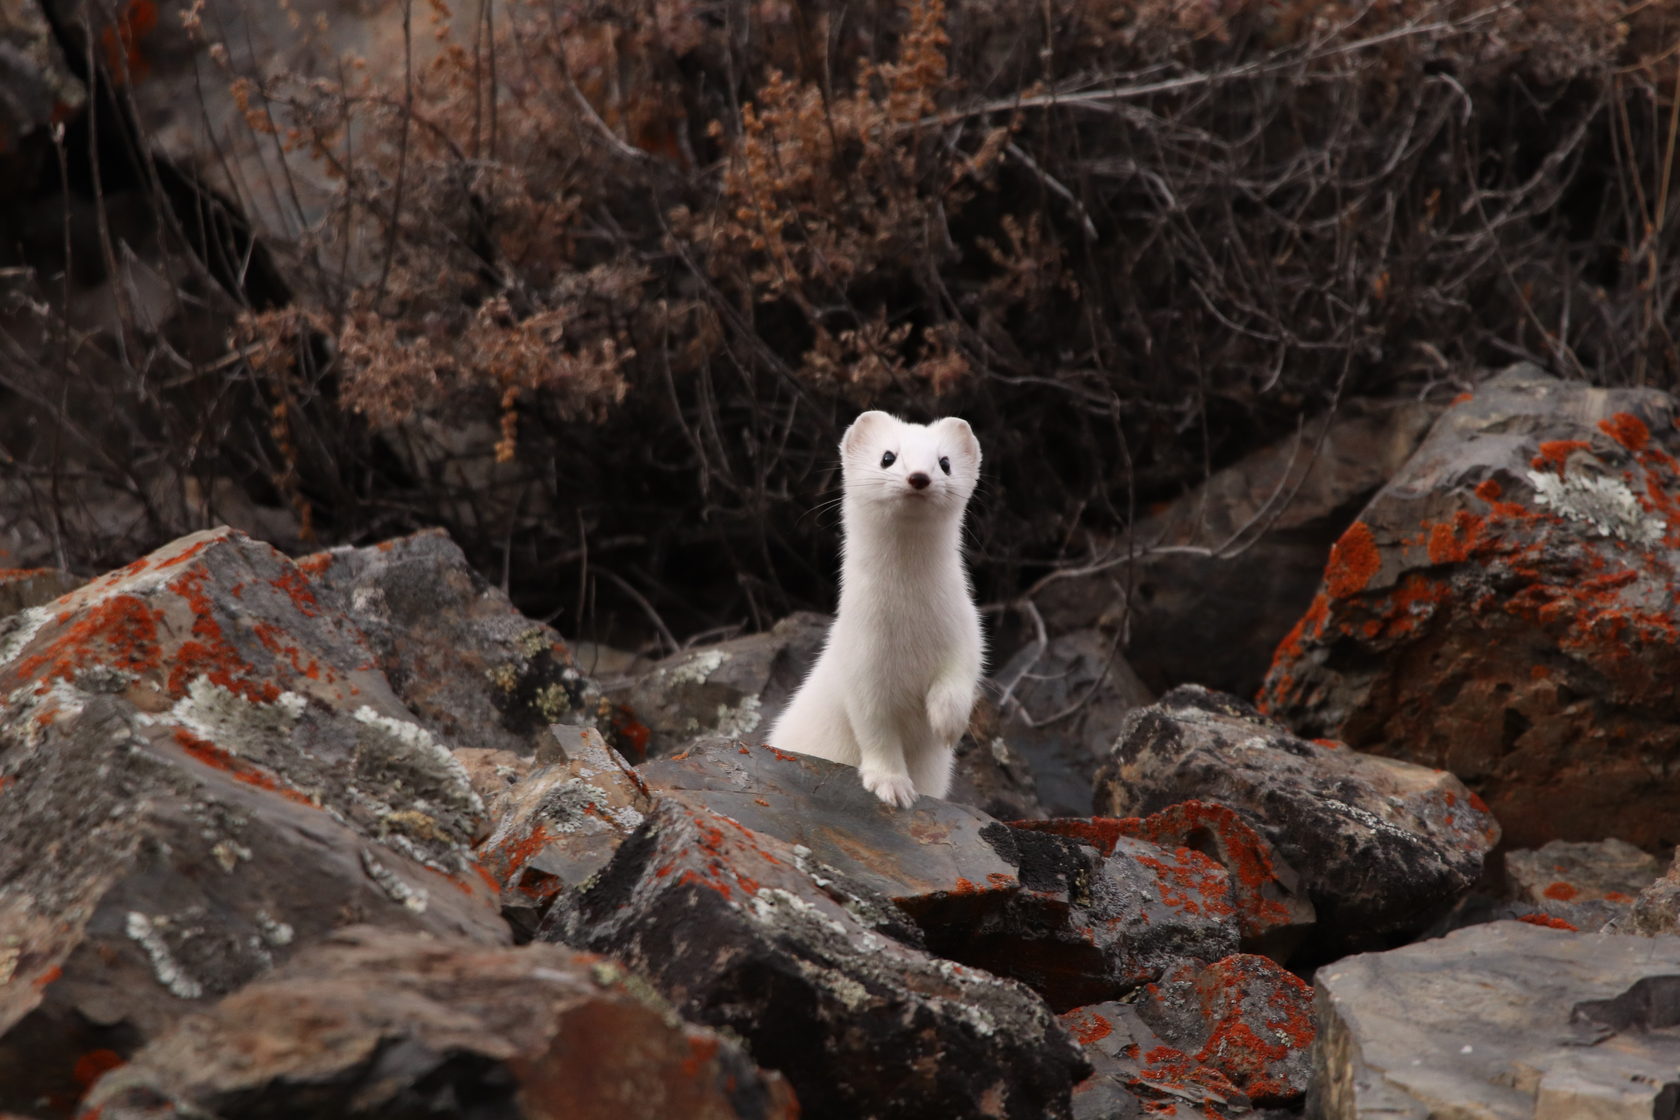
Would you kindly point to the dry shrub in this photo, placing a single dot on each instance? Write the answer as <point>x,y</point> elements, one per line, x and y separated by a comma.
<point>649,256</point>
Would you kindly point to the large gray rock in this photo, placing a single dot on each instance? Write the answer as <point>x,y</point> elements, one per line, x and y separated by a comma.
<point>1074,923</point>
<point>202,771</point>
<point>371,1023</point>
<point>1504,608</point>
<point>1503,1020</point>
<point>1206,587</point>
<point>1381,846</point>
<point>820,975</point>
<point>1585,883</point>
<point>1065,704</point>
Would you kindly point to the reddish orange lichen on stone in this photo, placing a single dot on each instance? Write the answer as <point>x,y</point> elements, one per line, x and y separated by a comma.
<point>1626,429</point>
<point>1353,562</point>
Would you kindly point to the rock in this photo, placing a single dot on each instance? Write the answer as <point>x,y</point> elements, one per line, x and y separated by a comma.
<point>561,823</point>
<point>1136,1074</point>
<point>477,672</point>
<point>1501,1020</point>
<point>1504,609</point>
<point>371,1023</point>
<point>1657,909</point>
<point>1273,910</point>
<point>1244,1016</point>
<point>820,976</point>
<point>202,771</point>
<point>733,689</point>
<point>992,777</point>
<point>1207,586</point>
<point>1585,884</point>
<point>1065,703</point>
<point>1381,846</point>
<point>1074,924</point>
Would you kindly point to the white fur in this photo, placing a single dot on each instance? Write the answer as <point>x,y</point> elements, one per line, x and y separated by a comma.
<point>892,692</point>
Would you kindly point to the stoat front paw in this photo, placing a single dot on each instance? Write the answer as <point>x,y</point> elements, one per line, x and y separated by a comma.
<point>894,789</point>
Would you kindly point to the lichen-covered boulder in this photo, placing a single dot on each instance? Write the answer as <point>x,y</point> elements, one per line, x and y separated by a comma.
<point>371,1023</point>
<point>1075,924</point>
<point>201,771</point>
<point>474,670</point>
<point>1586,883</point>
<point>1505,609</point>
<point>821,976</point>
<point>561,822</point>
<point>1272,908</point>
<point>1381,846</point>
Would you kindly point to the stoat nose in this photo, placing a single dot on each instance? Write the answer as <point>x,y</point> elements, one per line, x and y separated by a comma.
<point>919,480</point>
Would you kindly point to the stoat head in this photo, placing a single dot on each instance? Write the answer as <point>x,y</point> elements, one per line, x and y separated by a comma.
<point>911,470</point>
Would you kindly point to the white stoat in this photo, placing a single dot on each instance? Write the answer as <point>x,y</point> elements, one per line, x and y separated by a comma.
<point>892,692</point>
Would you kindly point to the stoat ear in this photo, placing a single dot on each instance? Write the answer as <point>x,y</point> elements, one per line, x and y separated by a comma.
<point>957,428</point>
<point>864,428</point>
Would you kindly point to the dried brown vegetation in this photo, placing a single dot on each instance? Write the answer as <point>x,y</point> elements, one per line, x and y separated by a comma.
<point>598,284</point>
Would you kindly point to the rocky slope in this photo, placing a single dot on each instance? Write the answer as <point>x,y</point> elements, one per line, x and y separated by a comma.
<point>348,835</point>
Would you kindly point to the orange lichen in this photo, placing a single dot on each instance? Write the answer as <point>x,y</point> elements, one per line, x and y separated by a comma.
<point>48,976</point>
<point>1086,1025</point>
<point>631,732</point>
<point>1354,562</point>
<point>1489,490</point>
<point>1454,543</point>
<point>1626,429</point>
<point>239,770</point>
<point>1555,453</point>
<point>1547,921</point>
<point>1562,892</point>
<point>93,1065</point>
<point>120,632</point>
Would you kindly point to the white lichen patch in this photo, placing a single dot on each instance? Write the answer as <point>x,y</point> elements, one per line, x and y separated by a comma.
<point>739,721</point>
<point>411,898</point>
<point>19,630</point>
<point>697,669</point>
<point>229,853</point>
<point>274,931</point>
<point>414,743</point>
<point>26,713</point>
<point>553,702</point>
<point>533,643</point>
<point>1367,818</point>
<point>148,934</point>
<point>1604,502</point>
<point>229,720</point>
<point>505,677</point>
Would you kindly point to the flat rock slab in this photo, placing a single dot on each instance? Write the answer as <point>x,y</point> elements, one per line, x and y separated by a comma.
<point>201,772</point>
<point>1502,1020</point>
<point>476,672</point>
<point>1381,846</point>
<point>371,1023</point>
<point>820,975</point>
<point>1075,924</point>
<point>1505,608</point>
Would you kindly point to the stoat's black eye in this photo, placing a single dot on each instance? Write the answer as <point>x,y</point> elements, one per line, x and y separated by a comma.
<point>888,459</point>
<point>945,464</point>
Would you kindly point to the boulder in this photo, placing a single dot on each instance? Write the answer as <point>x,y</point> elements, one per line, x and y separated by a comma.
<point>1063,704</point>
<point>821,976</point>
<point>561,823</point>
<point>1502,1020</point>
<point>1206,586</point>
<point>201,772</point>
<point>1075,924</point>
<point>372,1023</point>
<point>1382,846</point>
<point>1586,883</point>
<point>991,776</point>
<point>1273,911</point>
<point>732,689</point>
<point>1504,609</point>
<point>1245,1016</point>
<point>1136,1074</point>
<point>477,673</point>
<point>1657,909</point>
